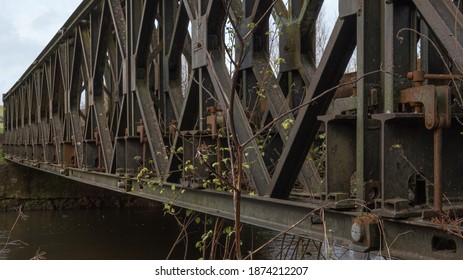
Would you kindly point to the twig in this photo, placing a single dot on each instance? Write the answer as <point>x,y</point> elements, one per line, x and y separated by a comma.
<point>325,236</point>
<point>39,255</point>
<point>305,249</point>
<point>285,231</point>
<point>183,235</point>
<point>402,154</point>
<point>383,235</point>
<point>400,234</point>
<point>21,215</point>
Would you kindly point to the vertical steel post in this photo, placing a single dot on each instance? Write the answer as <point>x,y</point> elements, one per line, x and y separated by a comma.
<point>438,169</point>
<point>368,49</point>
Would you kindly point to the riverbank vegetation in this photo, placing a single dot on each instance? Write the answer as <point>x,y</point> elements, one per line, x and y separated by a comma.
<point>1,119</point>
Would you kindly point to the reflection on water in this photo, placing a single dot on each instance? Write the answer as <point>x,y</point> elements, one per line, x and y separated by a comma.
<point>133,234</point>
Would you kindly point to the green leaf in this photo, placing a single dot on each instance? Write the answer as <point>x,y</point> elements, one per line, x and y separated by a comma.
<point>198,220</point>
<point>251,25</point>
<point>228,231</point>
<point>395,147</point>
<point>280,60</point>
<point>286,124</point>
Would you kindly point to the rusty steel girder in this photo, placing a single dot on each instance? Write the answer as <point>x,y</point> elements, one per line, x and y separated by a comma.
<point>133,95</point>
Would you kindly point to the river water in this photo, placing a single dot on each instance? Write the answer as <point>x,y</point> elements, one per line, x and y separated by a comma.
<point>100,234</point>
<point>88,234</point>
<point>127,234</point>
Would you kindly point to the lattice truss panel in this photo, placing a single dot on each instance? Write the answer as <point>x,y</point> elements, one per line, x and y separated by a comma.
<point>153,90</point>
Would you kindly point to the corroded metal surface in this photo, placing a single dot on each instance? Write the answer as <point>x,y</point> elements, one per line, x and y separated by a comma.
<point>135,96</point>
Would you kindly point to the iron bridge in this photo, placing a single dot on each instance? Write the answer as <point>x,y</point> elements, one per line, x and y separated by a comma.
<point>164,99</point>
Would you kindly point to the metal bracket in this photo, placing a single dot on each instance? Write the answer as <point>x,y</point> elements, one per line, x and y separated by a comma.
<point>434,100</point>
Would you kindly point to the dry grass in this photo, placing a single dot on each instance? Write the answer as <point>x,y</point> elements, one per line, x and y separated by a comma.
<point>367,219</point>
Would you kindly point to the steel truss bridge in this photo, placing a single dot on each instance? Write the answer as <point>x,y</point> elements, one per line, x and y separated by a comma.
<point>134,96</point>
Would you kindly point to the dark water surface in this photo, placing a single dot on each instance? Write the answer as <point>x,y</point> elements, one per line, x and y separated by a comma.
<point>130,234</point>
<point>89,234</point>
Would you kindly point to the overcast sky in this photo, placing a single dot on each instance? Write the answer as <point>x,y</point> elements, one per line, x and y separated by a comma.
<point>26,27</point>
